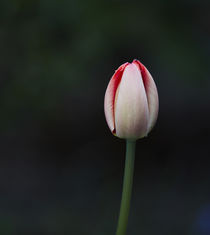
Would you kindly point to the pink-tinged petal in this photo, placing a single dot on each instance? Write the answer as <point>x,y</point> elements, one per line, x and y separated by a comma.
<point>152,94</point>
<point>131,107</point>
<point>109,98</point>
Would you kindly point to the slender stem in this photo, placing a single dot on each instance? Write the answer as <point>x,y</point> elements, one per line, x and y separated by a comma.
<point>127,188</point>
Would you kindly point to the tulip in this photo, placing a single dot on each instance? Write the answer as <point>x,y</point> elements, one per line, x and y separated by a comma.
<point>131,110</point>
<point>131,101</point>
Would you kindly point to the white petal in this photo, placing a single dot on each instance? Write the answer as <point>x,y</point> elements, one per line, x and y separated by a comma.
<point>131,107</point>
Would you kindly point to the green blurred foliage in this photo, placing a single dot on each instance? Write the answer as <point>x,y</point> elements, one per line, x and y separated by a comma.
<point>56,58</point>
<point>50,48</point>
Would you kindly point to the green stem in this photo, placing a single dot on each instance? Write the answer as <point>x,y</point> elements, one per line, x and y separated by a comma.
<point>127,188</point>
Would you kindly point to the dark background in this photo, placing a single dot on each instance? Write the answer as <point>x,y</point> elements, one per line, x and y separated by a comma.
<point>60,167</point>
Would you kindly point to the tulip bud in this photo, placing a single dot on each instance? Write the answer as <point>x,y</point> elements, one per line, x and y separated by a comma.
<point>131,101</point>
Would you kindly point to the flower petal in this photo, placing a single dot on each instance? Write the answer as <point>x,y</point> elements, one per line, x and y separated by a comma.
<point>109,98</point>
<point>131,107</point>
<point>152,94</point>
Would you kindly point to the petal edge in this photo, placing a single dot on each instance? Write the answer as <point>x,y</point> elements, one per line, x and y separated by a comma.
<point>109,99</point>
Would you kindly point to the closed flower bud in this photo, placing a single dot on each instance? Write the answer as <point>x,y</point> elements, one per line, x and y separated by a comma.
<point>131,101</point>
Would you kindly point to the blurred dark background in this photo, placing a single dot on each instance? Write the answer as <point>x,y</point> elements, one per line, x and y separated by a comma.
<point>60,167</point>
